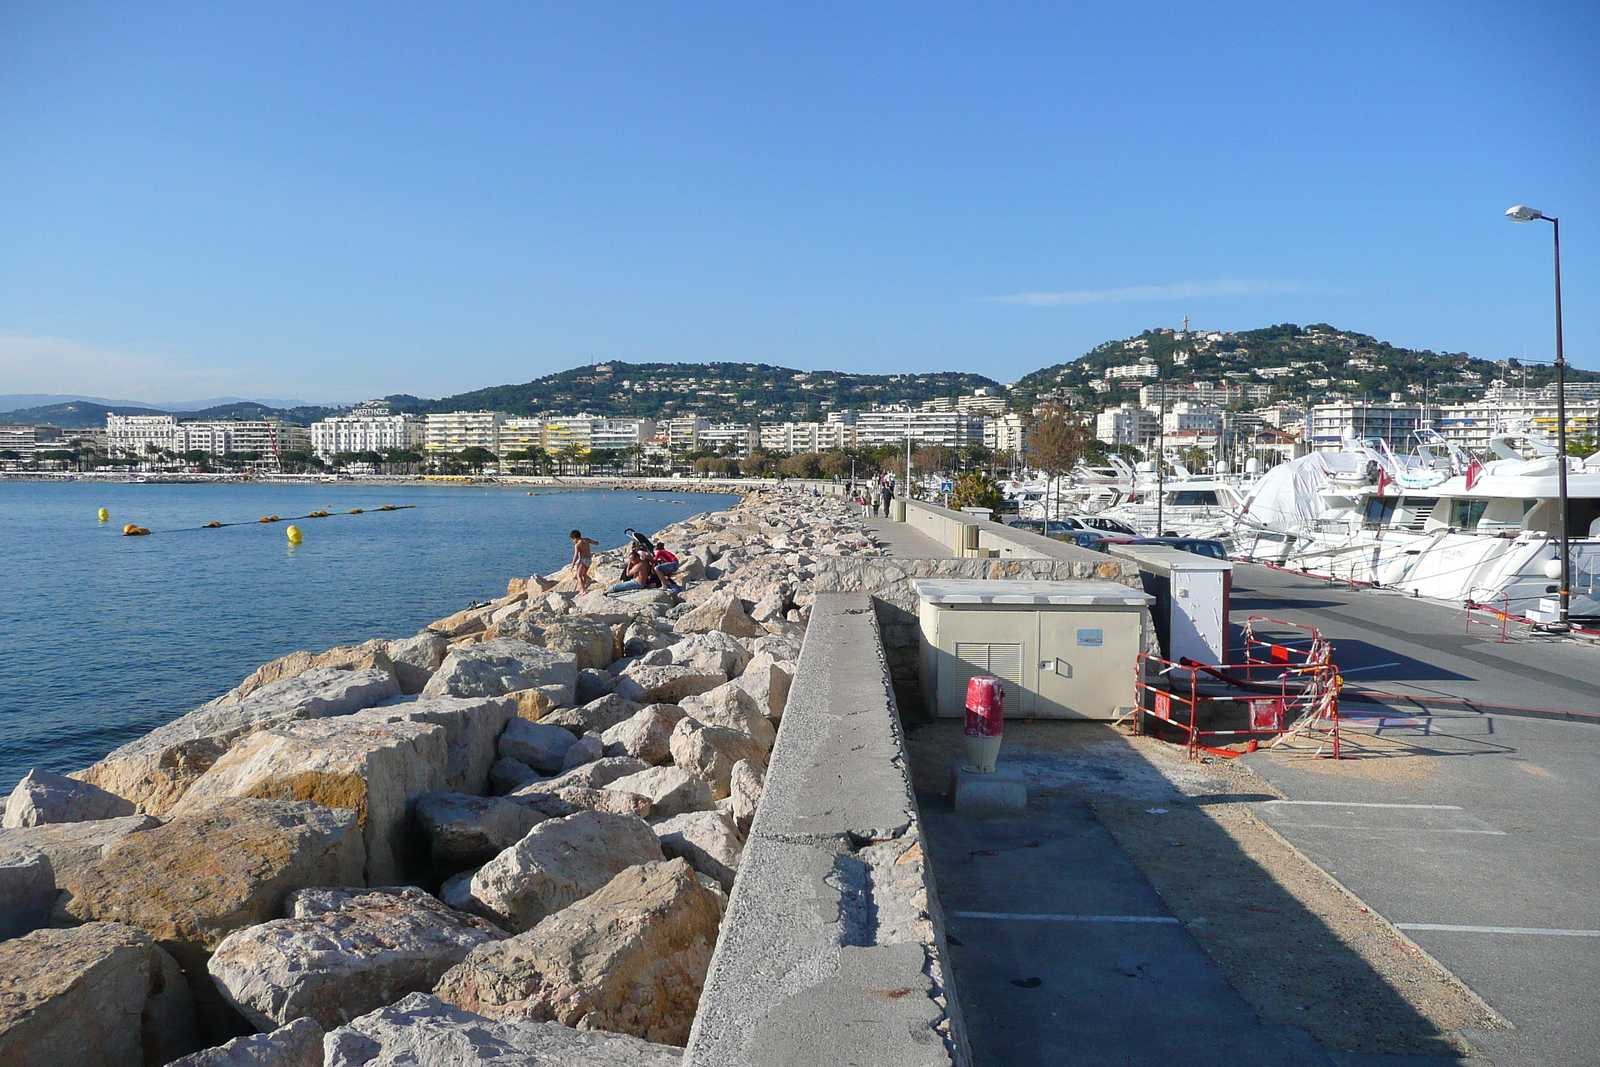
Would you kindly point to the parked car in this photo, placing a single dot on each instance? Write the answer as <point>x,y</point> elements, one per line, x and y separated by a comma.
<point>1099,522</point>
<point>1098,539</point>
<point>1200,546</point>
<point>1059,529</point>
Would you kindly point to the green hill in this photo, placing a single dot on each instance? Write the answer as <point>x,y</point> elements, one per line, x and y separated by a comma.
<point>1299,361</point>
<point>742,391</point>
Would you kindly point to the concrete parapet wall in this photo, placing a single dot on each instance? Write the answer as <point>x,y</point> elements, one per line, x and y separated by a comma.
<point>833,949</point>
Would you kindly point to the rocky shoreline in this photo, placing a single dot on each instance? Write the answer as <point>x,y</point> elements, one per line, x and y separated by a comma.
<point>510,836</point>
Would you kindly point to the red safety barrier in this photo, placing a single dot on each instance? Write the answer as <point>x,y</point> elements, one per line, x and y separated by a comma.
<point>1286,686</point>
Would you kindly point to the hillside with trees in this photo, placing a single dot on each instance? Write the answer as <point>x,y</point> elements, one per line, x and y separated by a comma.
<point>720,391</point>
<point>1298,362</point>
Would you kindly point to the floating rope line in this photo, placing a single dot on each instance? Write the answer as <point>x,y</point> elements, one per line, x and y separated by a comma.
<point>322,514</point>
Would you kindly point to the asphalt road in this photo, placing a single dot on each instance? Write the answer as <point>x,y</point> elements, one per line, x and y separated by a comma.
<point>1479,834</point>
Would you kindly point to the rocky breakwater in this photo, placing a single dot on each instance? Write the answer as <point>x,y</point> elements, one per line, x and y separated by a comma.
<point>513,832</point>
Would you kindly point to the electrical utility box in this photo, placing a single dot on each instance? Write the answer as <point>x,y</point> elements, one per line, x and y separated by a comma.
<point>1067,650</point>
<point>1192,599</point>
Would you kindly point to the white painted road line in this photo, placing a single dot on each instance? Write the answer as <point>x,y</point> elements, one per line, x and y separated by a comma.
<point>1374,667</point>
<point>1065,918</point>
<point>1497,930</point>
<point>1387,829</point>
<point>1353,804</point>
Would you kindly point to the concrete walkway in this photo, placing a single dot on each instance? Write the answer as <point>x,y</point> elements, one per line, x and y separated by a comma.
<point>905,542</point>
<point>1471,827</point>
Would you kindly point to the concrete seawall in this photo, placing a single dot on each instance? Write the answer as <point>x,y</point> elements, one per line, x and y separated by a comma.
<point>833,947</point>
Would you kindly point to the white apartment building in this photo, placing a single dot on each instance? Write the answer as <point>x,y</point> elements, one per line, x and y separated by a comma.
<point>18,438</point>
<point>802,437</point>
<point>269,438</point>
<point>621,434</point>
<point>1395,423</point>
<point>682,434</point>
<point>1128,424</point>
<point>1471,424</point>
<point>368,427</point>
<point>807,437</point>
<point>1006,433</point>
<point>731,438</point>
<point>1145,368</point>
<point>950,429</point>
<point>456,431</point>
<point>1185,416</point>
<point>519,434</point>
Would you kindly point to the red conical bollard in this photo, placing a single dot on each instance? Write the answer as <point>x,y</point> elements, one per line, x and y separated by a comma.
<point>985,721</point>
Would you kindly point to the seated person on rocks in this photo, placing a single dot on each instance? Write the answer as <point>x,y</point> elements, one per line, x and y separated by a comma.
<point>665,562</point>
<point>640,574</point>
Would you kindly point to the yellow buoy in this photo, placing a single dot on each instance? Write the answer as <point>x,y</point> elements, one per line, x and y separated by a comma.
<point>213,526</point>
<point>131,530</point>
<point>294,535</point>
<point>103,515</point>
<point>355,511</point>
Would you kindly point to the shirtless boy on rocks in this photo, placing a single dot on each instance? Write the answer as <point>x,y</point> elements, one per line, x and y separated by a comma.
<point>582,549</point>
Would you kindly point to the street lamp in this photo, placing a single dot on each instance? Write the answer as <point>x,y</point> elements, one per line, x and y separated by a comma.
<point>1521,213</point>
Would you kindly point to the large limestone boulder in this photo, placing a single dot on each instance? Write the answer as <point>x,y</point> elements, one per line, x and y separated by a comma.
<point>504,665</point>
<point>43,797</point>
<point>422,1031</point>
<point>558,862</point>
<point>464,622</point>
<point>27,888</point>
<point>472,728</point>
<point>71,846</point>
<point>646,735</point>
<point>643,635</point>
<point>343,953</point>
<point>416,658</point>
<point>589,639</point>
<point>594,775</point>
<point>569,800</point>
<point>716,650</point>
<point>541,747</point>
<point>724,612</point>
<point>596,716</point>
<point>586,749</point>
<point>369,655</point>
<point>196,879</point>
<point>91,996</point>
<point>670,790</point>
<point>744,792</point>
<point>630,959</point>
<point>297,1045</point>
<point>767,680</point>
<point>508,775</point>
<point>707,840</point>
<point>731,706</point>
<point>469,831</point>
<point>370,766</point>
<point>157,769</point>
<point>665,685</point>
<point>711,751</point>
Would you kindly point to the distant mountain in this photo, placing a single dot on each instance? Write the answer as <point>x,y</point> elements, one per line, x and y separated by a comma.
<point>1297,361</point>
<point>87,414</point>
<point>18,401</point>
<point>742,391</point>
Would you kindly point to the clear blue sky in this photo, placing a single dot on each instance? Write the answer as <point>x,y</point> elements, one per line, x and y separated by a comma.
<point>330,201</point>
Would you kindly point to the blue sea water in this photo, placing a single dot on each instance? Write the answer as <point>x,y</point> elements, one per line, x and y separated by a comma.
<point>103,637</point>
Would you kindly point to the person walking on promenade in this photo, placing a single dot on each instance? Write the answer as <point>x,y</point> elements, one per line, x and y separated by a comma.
<point>582,555</point>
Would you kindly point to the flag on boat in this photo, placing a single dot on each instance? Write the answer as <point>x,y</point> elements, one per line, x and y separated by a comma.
<point>1474,472</point>
<point>1383,480</point>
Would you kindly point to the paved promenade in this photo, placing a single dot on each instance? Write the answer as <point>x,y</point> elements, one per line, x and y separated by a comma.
<point>1475,829</point>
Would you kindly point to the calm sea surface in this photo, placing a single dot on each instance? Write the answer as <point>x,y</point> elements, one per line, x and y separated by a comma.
<point>103,637</point>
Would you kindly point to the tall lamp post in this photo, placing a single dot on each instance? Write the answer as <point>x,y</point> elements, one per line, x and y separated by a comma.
<point>1529,214</point>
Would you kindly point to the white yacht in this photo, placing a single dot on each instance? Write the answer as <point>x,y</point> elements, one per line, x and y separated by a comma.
<point>1438,524</point>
